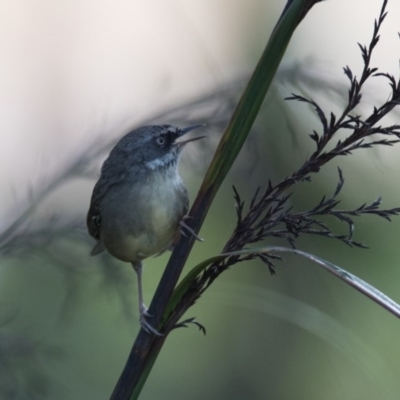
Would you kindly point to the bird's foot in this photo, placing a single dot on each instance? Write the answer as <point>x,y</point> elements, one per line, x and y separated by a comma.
<point>146,324</point>
<point>185,228</point>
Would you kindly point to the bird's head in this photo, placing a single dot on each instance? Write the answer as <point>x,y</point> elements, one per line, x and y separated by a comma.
<point>155,146</point>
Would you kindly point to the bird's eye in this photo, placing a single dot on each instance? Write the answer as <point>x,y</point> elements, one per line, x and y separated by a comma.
<point>161,141</point>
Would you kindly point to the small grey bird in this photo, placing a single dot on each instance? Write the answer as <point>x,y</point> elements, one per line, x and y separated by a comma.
<point>139,203</point>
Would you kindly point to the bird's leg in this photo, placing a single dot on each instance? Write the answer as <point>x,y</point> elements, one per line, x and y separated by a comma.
<point>143,313</point>
<point>186,228</point>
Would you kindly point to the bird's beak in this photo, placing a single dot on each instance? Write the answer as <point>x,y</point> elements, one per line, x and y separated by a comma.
<point>186,130</point>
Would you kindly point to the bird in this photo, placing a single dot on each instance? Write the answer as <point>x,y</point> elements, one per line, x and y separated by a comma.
<point>139,204</point>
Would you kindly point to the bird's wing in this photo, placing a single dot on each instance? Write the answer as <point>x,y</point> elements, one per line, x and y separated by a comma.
<point>94,216</point>
<point>93,219</point>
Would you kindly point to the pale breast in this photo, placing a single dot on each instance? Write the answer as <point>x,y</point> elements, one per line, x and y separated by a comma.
<point>144,220</point>
<point>169,203</point>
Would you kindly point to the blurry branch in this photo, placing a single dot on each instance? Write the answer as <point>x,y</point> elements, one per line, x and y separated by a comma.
<point>146,347</point>
<point>17,232</point>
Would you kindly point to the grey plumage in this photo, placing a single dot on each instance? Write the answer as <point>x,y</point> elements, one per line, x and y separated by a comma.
<point>139,201</point>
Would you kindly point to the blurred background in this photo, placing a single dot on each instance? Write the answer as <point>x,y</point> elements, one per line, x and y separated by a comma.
<point>77,75</point>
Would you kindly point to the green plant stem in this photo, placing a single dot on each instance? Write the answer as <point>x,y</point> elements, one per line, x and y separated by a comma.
<point>146,346</point>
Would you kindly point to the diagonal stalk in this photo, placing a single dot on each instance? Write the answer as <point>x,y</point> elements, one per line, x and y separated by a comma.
<point>146,347</point>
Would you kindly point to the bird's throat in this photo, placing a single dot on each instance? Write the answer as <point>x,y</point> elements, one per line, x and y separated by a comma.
<point>168,160</point>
